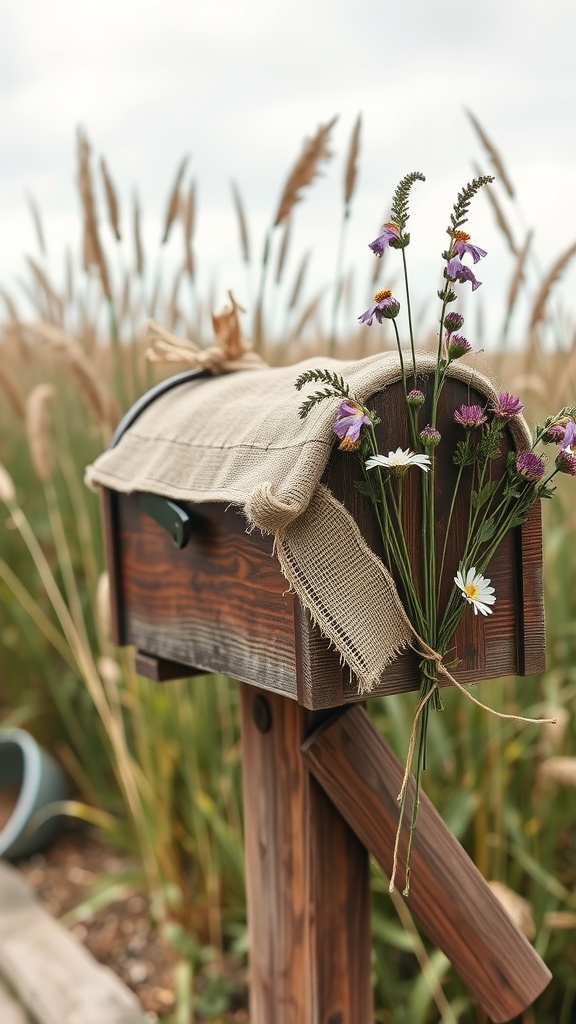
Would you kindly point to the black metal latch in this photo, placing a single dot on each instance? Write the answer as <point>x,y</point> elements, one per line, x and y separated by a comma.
<point>171,516</point>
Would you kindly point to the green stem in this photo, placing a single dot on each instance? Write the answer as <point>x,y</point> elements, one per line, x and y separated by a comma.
<point>409,309</point>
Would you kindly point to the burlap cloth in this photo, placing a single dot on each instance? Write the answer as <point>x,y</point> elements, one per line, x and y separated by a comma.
<point>238,439</point>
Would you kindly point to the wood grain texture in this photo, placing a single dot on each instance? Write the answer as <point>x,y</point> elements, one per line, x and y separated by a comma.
<point>53,975</point>
<point>307,883</point>
<point>221,603</point>
<point>448,895</point>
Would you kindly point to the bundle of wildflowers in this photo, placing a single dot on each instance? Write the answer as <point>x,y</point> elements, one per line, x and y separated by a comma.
<point>497,500</point>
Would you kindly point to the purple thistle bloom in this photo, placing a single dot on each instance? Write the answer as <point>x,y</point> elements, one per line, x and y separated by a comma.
<point>349,422</point>
<point>554,434</point>
<point>430,437</point>
<point>385,307</point>
<point>470,416</point>
<point>458,346</point>
<point>462,245</point>
<point>530,466</point>
<point>415,398</point>
<point>458,271</point>
<point>569,439</point>
<point>566,462</point>
<point>453,322</point>
<point>506,406</point>
<point>390,234</point>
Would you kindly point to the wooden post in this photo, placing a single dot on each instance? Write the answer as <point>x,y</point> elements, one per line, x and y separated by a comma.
<point>456,907</point>
<point>308,897</point>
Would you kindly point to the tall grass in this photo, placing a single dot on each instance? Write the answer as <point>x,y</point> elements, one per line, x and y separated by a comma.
<point>163,762</point>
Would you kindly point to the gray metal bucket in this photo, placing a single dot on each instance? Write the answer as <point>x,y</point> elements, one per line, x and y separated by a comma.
<point>30,780</point>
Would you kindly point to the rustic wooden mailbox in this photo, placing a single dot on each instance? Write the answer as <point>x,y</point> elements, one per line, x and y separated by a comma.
<point>192,590</point>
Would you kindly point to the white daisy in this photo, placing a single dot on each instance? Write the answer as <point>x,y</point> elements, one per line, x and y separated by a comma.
<point>476,590</point>
<point>399,461</point>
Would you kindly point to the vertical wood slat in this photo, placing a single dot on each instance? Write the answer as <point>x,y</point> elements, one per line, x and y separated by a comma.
<point>307,883</point>
<point>454,904</point>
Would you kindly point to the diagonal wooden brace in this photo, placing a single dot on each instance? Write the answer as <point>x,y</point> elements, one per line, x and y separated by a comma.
<point>455,906</point>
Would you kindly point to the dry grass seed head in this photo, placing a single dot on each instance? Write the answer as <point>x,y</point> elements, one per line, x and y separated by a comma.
<point>103,607</point>
<point>498,212</point>
<point>11,389</point>
<point>242,223</point>
<point>284,247</point>
<point>173,208</point>
<point>493,154</point>
<point>37,221</point>
<point>351,172</point>
<point>99,399</point>
<point>518,275</point>
<point>111,200</point>
<point>558,769</point>
<point>138,248</point>
<point>539,305</point>
<point>39,430</point>
<point>189,220</point>
<point>305,169</point>
<point>93,251</point>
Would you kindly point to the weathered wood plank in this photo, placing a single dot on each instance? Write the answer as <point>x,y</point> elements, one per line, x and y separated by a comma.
<point>307,880</point>
<point>52,974</point>
<point>454,904</point>
<point>11,1012</point>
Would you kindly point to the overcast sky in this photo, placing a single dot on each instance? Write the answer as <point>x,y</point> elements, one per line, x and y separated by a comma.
<point>238,85</point>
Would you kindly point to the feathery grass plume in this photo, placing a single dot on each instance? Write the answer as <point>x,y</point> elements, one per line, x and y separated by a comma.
<point>9,385</point>
<point>93,251</point>
<point>516,907</point>
<point>39,430</point>
<point>189,221</point>
<point>299,280</point>
<point>37,221</point>
<point>99,400</point>
<point>351,171</point>
<point>558,769</point>
<point>7,489</point>
<point>560,920</point>
<point>517,278</point>
<point>172,312</point>
<point>54,304</point>
<point>111,200</point>
<point>493,153</point>
<point>539,304</point>
<point>10,304</point>
<point>137,229</point>
<point>305,169</point>
<point>103,607</point>
<point>498,212</point>
<point>284,247</point>
<point>173,208</point>
<point>242,223</point>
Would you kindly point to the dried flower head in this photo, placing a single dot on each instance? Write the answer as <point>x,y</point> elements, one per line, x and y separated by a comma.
<point>453,322</point>
<point>566,462</point>
<point>554,434</point>
<point>506,405</point>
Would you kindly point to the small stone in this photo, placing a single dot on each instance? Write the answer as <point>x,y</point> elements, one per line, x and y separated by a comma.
<point>137,972</point>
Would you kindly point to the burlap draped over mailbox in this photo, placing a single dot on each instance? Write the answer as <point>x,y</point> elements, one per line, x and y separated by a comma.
<point>238,439</point>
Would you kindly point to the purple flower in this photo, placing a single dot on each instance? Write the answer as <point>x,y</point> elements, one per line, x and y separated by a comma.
<point>554,434</point>
<point>461,246</point>
<point>530,466</point>
<point>349,422</point>
<point>385,307</point>
<point>458,271</point>
<point>390,234</point>
<point>569,439</point>
<point>470,416</point>
<point>458,346</point>
<point>566,462</point>
<point>430,437</point>
<point>453,322</point>
<point>506,406</point>
<point>415,398</point>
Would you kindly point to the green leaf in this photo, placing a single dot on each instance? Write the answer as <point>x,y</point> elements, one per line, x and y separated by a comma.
<point>486,530</point>
<point>480,498</point>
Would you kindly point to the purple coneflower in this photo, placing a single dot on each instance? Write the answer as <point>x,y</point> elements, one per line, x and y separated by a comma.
<point>349,422</point>
<point>470,416</point>
<point>385,307</point>
<point>506,406</point>
<point>531,466</point>
<point>458,346</point>
<point>390,234</point>
<point>462,246</point>
<point>566,462</point>
<point>458,271</point>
